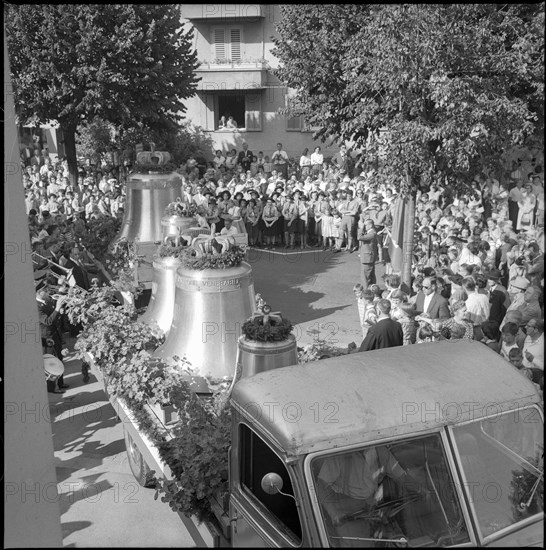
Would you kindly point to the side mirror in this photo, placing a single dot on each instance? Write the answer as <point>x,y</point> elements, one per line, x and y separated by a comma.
<point>272,483</point>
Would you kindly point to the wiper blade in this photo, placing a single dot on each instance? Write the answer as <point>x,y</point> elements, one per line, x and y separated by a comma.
<point>401,540</point>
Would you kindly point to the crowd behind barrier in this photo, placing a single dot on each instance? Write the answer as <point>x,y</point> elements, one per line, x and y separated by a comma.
<point>478,255</point>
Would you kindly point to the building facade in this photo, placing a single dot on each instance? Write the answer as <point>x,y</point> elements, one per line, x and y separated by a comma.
<point>233,44</point>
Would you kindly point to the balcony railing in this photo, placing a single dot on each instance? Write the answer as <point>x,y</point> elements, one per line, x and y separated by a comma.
<point>234,65</point>
<point>225,12</point>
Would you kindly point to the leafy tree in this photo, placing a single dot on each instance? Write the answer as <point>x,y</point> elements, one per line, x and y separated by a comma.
<point>451,86</point>
<point>129,64</point>
<point>94,139</point>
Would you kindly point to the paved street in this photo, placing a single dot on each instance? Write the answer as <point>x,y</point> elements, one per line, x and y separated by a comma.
<point>101,503</point>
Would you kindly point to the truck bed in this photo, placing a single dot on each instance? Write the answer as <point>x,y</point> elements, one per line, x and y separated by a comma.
<point>205,534</point>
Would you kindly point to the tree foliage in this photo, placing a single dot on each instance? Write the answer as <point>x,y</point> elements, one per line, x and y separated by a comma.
<point>129,64</point>
<point>436,91</point>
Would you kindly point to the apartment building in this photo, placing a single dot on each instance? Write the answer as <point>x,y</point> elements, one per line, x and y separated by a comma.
<point>233,44</point>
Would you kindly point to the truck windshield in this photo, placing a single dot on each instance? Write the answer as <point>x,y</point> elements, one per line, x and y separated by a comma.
<point>502,458</point>
<point>396,494</point>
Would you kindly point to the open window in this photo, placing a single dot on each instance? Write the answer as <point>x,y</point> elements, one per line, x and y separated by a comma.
<point>244,106</point>
<point>257,460</point>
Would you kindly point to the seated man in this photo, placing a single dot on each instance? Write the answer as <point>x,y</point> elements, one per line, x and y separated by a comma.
<point>349,488</point>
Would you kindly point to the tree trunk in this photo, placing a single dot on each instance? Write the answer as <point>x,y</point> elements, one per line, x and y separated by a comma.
<point>409,224</point>
<point>69,131</point>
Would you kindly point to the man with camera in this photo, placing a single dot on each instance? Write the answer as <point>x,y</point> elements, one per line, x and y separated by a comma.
<point>50,311</point>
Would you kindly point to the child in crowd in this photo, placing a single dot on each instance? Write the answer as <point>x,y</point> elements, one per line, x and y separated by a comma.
<point>338,234</point>
<point>268,166</point>
<point>366,308</point>
<point>509,332</point>
<point>515,356</point>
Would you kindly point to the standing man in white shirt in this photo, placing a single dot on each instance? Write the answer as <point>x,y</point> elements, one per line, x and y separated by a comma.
<point>533,346</point>
<point>280,160</point>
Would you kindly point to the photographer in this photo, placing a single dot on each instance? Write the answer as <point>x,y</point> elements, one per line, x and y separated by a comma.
<point>50,311</point>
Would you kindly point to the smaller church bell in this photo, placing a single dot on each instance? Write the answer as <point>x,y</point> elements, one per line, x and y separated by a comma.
<point>256,355</point>
<point>161,306</point>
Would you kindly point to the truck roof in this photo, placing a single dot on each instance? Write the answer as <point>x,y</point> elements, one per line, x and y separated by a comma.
<point>368,396</point>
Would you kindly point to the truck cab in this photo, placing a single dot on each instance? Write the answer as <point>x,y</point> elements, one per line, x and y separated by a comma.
<point>427,445</point>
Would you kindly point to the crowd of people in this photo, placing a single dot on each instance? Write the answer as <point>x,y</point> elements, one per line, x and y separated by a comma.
<point>478,258</point>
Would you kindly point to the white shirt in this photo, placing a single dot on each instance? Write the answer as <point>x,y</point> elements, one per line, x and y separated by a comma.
<point>427,301</point>
<point>537,350</point>
<point>317,158</point>
<point>478,307</point>
<point>279,157</point>
<point>231,231</point>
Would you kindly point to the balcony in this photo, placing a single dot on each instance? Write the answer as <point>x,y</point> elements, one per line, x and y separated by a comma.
<point>224,12</point>
<point>217,75</point>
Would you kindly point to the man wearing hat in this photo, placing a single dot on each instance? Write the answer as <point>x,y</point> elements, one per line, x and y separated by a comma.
<point>494,285</point>
<point>516,289</point>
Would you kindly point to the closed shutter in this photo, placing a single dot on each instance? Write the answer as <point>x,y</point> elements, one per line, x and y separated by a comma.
<point>219,37</point>
<point>253,111</point>
<point>293,123</point>
<point>235,39</point>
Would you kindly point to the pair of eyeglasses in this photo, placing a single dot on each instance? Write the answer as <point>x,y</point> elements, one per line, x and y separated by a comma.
<point>427,287</point>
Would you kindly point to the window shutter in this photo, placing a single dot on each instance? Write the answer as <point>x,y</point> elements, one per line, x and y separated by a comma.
<point>235,38</point>
<point>209,105</point>
<point>253,111</point>
<point>293,123</point>
<point>219,44</point>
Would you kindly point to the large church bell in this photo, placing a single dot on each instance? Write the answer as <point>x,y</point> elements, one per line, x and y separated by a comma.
<point>148,194</point>
<point>210,307</point>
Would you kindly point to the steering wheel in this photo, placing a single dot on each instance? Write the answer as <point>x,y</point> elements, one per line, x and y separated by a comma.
<point>382,512</point>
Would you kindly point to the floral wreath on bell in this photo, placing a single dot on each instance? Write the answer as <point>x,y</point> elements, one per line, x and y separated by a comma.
<point>181,208</point>
<point>208,252</point>
<point>267,326</point>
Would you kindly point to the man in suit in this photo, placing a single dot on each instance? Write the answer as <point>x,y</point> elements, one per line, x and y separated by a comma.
<point>368,253</point>
<point>429,301</point>
<point>245,157</point>
<point>386,333</point>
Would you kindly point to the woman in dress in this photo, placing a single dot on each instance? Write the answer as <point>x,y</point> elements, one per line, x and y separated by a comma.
<point>526,209</point>
<point>327,223</point>
<point>305,164</point>
<point>235,213</point>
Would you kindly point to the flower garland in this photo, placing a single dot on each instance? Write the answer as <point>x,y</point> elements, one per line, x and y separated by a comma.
<point>196,450</point>
<point>171,251</point>
<point>150,167</point>
<point>275,330</point>
<point>181,209</point>
<point>231,258</point>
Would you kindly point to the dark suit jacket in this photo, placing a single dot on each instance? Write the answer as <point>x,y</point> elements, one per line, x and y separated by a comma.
<point>498,309</point>
<point>437,309</point>
<point>384,334</point>
<point>368,246</point>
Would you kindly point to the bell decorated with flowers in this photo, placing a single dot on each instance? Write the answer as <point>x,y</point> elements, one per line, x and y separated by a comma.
<point>267,343</point>
<point>214,295</point>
